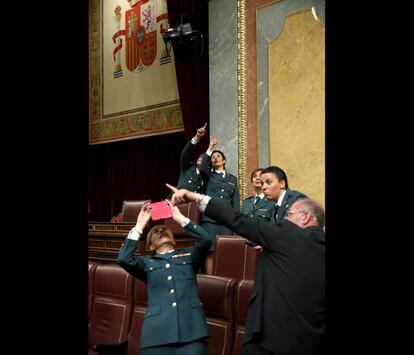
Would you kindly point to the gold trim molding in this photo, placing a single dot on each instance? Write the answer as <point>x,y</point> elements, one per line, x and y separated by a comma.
<point>242,98</point>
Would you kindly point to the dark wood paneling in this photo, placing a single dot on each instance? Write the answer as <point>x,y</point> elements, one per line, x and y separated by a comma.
<point>105,239</point>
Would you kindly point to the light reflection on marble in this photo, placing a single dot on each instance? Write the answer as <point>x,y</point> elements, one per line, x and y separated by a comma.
<point>319,9</point>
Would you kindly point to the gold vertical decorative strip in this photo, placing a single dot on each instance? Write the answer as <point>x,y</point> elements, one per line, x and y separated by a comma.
<point>242,98</point>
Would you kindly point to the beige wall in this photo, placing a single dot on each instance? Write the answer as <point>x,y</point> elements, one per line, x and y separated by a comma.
<point>297,103</point>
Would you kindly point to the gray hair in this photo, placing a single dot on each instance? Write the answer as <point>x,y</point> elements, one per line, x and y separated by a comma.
<point>314,208</point>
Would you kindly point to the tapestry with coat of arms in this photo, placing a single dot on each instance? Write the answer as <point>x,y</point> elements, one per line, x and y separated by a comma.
<point>132,82</point>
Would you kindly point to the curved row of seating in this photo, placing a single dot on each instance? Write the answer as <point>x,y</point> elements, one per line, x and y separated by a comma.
<point>117,301</point>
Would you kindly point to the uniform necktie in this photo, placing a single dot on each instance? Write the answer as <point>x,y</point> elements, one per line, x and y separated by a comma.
<point>276,211</point>
<point>256,200</point>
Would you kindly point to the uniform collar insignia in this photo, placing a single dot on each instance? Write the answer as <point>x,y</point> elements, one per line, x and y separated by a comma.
<point>180,255</point>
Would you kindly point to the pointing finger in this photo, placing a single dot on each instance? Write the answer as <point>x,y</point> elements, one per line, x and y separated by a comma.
<point>174,189</point>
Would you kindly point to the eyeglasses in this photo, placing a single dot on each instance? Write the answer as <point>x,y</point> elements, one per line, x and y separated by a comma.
<point>288,213</point>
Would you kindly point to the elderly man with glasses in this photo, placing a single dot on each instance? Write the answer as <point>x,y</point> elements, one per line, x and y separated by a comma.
<point>286,314</point>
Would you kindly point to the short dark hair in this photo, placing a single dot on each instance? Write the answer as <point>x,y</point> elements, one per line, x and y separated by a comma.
<point>222,154</point>
<point>254,172</point>
<point>278,172</point>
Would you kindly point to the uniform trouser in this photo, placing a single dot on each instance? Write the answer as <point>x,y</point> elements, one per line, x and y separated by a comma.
<point>214,229</point>
<point>194,348</point>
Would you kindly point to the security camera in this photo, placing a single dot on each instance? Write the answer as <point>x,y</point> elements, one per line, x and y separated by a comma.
<point>176,32</point>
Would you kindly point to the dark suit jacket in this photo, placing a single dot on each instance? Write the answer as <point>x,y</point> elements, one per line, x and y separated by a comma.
<point>225,189</point>
<point>263,209</point>
<point>287,305</point>
<point>290,197</point>
<point>189,179</point>
<point>171,316</point>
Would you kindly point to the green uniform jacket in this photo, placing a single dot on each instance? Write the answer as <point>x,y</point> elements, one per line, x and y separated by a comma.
<point>189,179</point>
<point>263,209</point>
<point>174,313</point>
<point>223,188</point>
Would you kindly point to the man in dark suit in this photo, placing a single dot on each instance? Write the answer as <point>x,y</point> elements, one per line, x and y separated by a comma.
<point>281,194</point>
<point>174,321</point>
<point>286,313</point>
<point>190,178</point>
